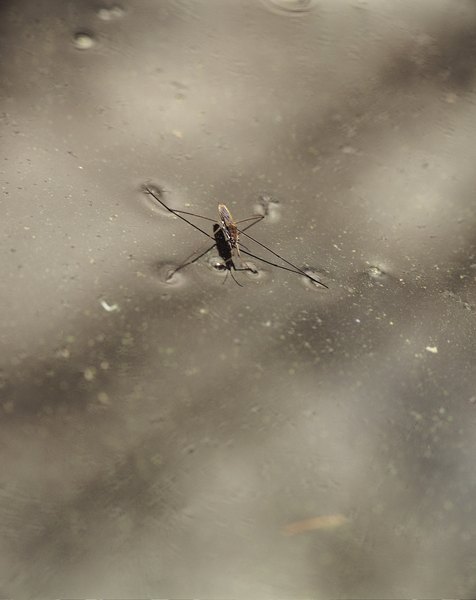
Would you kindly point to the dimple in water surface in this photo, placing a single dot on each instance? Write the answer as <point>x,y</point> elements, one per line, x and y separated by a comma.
<point>290,6</point>
<point>82,40</point>
<point>109,13</point>
<point>268,207</point>
<point>225,239</point>
<point>170,276</point>
<point>312,284</point>
<point>376,272</point>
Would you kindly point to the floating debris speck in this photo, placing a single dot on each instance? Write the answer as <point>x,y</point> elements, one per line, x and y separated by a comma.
<point>89,373</point>
<point>323,522</point>
<point>109,307</point>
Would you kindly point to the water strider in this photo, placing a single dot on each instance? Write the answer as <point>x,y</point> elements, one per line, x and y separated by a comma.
<point>225,238</point>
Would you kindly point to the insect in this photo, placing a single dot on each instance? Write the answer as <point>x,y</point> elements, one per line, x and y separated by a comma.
<point>226,236</point>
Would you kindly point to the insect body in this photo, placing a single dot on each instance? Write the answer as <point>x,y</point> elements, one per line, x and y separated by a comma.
<point>226,252</point>
<point>223,246</point>
<point>229,227</point>
<point>225,240</point>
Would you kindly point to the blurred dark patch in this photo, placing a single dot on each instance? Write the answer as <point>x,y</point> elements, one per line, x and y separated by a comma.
<point>66,385</point>
<point>106,348</point>
<point>448,60</point>
<point>121,504</point>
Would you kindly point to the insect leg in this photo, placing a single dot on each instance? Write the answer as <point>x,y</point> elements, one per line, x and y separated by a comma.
<point>234,278</point>
<point>176,213</point>
<point>191,214</point>
<point>190,260</point>
<point>296,270</point>
<point>254,218</point>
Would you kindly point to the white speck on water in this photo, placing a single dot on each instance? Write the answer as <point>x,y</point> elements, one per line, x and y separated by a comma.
<point>63,353</point>
<point>432,349</point>
<point>103,398</point>
<point>109,307</point>
<point>89,373</point>
<point>416,415</point>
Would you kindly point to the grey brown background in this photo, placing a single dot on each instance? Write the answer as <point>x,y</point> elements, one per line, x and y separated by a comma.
<point>156,438</point>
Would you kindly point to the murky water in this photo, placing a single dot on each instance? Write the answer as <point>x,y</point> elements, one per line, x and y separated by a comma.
<point>187,437</point>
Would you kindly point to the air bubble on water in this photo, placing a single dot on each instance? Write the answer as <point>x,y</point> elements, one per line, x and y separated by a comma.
<point>290,6</point>
<point>109,13</point>
<point>83,40</point>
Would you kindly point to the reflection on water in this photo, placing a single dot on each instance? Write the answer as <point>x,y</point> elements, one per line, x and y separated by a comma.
<point>185,436</point>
